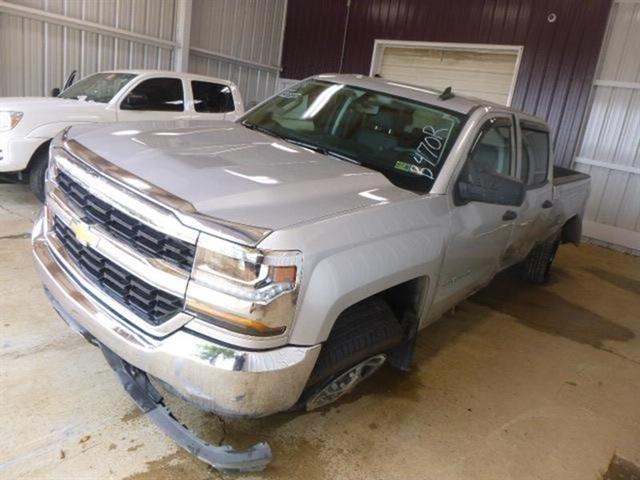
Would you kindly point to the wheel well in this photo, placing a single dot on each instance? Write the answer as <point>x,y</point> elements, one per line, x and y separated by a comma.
<point>402,298</point>
<point>404,301</point>
<point>43,147</point>
<point>572,230</point>
<point>405,296</point>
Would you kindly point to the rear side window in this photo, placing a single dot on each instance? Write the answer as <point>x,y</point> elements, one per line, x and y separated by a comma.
<point>535,156</point>
<point>212,97</point>
<point>156,94</point>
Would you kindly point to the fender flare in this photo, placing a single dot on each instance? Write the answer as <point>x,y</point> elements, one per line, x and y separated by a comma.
<point>50,130</point>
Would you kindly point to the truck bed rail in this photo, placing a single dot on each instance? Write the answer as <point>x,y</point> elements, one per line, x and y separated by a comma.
<point>563,175</point>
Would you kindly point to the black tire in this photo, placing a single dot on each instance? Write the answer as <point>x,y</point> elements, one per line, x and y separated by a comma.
<point>537,265</point>
<point>360,332</point>
<point>37,173</point>
<point>367,328</point>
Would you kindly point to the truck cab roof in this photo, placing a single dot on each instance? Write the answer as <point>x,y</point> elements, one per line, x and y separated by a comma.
<point>169,73</point>
<point>458,103</point>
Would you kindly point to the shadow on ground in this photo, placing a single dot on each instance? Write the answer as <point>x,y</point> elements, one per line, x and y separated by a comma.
<point>539,308</point>
<point>620,281</point>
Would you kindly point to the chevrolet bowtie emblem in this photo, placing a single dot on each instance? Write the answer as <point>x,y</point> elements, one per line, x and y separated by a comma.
<point>83,234</point>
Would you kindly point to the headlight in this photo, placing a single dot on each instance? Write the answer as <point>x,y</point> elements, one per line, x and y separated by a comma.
<point>8,120</point>
<point>241,289</point>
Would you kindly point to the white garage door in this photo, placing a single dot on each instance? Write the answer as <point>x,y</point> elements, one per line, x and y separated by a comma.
<point>484,71</point>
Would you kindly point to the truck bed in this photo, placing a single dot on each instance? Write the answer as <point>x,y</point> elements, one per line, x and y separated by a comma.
<point>570,193</point>
<point>563,175</point>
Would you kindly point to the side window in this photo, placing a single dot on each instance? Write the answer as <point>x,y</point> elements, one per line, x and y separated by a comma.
<point>212,97</point>
<point>535,156</point>
<point>488,174</point>
<point>492,152</point>
<point>156,94</point>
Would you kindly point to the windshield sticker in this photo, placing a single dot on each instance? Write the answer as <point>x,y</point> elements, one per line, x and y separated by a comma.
<point>414,169</point>
<point>291,93</point>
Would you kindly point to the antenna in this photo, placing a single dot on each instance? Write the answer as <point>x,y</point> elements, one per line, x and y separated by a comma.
<point>446,94</point>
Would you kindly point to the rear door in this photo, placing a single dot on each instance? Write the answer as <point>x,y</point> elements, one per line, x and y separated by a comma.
<point>156,98</point>
<point>479,232</point>
<point>212,101</point>
<point>534,215</point>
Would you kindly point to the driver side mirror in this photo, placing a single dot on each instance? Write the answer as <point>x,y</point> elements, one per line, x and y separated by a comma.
<point>490,187</point>
<point>135,101</point>
<point>55,92</point>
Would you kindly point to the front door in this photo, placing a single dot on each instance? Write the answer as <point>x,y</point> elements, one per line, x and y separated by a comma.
<point>479,231</point>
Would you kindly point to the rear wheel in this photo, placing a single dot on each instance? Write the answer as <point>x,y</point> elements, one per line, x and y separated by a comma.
<point>537,266</point>
<point>38,171</point>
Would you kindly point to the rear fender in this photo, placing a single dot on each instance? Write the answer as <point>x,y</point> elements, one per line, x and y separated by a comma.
<point>572,230</point>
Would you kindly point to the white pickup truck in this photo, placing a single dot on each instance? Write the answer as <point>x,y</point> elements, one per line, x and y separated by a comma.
<point>27,124</point>
<point>278,261</point>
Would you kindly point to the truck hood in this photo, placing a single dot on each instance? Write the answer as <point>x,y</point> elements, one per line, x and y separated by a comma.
<point>229,172</point>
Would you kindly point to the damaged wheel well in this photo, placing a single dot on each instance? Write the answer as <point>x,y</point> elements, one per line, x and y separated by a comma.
<point>384,322</point>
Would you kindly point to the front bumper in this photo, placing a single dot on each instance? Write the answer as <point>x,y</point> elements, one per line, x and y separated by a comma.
<point>213,376</point>
<point>16,152</point>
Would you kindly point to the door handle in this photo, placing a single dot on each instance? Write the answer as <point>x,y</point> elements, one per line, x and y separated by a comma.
<point>509,215</point>
<point>547,204</point>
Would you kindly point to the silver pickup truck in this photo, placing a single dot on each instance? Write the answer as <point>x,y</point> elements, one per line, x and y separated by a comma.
<point>275,262</point>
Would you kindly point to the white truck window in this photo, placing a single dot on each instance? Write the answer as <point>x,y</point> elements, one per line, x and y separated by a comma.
<point>156,94</point>
<point>212,97</point>
<point>100,87</point>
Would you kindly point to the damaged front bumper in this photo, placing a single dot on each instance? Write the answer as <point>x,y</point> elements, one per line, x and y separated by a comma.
<point>222,457</point>
<point>213,376</point>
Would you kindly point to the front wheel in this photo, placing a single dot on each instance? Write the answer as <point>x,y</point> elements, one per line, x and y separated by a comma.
<point>344,383</point>
<point>359,344</point>
<point>38,172</point>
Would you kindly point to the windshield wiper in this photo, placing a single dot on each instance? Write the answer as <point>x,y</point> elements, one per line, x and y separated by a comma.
<point>322,150</point>
<point>300,143</point>
<point>266,131</point>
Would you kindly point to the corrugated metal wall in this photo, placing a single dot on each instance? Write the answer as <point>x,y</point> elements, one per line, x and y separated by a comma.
<point>239,40</point>
<point>610,146</point>
<point>313,37</point>
<point>37,54</point>
<point>558,62</point>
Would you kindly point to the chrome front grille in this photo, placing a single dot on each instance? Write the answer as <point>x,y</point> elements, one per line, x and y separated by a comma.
<point>130,253</point>
<point>139,236</point>
<point>152,304</point>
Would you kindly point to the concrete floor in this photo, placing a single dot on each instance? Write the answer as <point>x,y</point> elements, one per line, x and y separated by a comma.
<point>521,382</point>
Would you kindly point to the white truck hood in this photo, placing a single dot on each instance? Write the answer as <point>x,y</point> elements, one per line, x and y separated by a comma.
<point>29,104</point>
<point>41,111</point>
<point>229,172</point>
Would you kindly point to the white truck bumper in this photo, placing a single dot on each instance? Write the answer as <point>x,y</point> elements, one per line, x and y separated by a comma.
<point>15,153</point>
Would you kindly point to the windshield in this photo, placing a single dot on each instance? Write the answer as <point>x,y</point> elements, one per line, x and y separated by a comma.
<point>100,87</point>
<point>405,140</point>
